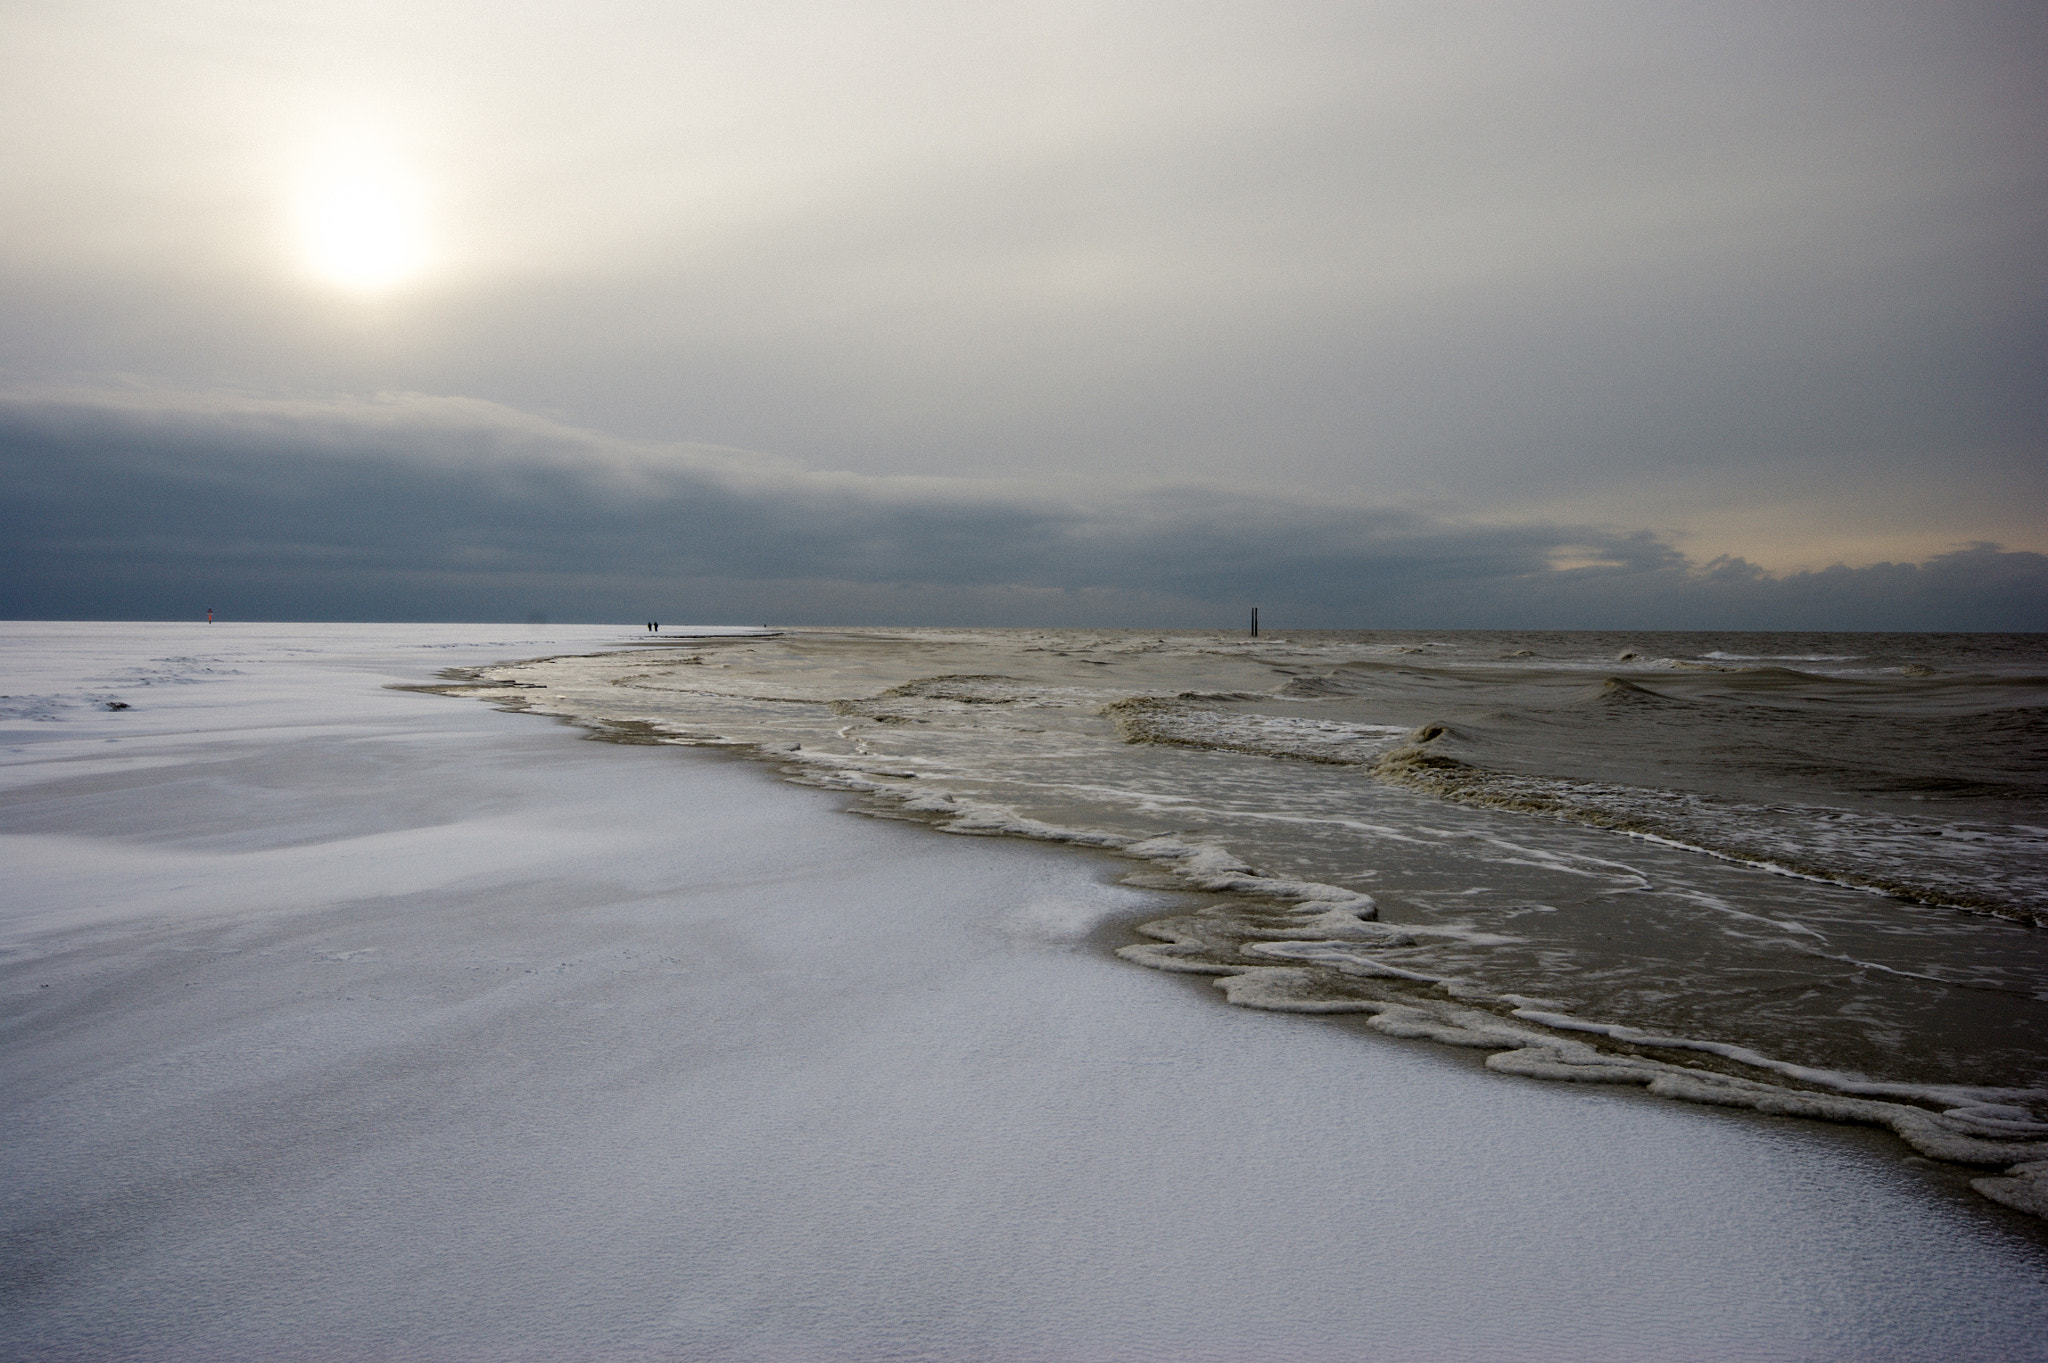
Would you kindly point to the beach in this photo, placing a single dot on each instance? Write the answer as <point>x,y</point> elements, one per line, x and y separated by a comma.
<point>350,1021</point>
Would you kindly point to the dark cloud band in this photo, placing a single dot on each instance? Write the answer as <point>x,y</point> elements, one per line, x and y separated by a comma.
<point>141,505</point>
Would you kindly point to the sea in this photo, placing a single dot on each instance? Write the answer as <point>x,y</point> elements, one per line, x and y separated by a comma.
<point>1803,873</point>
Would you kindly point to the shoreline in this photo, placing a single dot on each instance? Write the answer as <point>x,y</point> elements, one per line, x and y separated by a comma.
<point>430,1031</point>
<point>1518,1040</point>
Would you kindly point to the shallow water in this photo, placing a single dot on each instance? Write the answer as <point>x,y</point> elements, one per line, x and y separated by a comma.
<point>1806,870</point>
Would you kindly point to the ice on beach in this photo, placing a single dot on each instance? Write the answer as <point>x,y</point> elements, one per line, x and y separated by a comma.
<point>342,1021</point>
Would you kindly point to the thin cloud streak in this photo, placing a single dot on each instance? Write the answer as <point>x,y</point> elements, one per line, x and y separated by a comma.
<point>152,504</point>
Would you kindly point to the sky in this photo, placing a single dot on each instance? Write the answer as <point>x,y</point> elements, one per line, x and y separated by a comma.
<point>1435,315</point>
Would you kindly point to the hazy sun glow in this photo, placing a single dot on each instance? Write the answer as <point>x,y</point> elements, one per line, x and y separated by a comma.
<point>361,220</point>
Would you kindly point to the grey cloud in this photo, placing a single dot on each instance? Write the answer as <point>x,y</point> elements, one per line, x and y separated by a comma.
<point>1469,257</point>
<point>147,504</point>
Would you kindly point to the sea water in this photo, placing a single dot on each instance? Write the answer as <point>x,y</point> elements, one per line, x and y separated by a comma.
<point>1804,873</point>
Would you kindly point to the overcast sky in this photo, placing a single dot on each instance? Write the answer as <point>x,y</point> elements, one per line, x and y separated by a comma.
<point>1545,314</point>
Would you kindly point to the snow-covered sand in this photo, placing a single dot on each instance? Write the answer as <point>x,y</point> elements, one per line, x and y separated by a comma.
<point>349,1022</point>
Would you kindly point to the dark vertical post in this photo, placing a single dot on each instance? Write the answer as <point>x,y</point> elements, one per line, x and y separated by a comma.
<point>1255,622</point>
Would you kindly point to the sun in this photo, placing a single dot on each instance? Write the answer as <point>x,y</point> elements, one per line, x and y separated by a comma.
<point>361,222</point>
